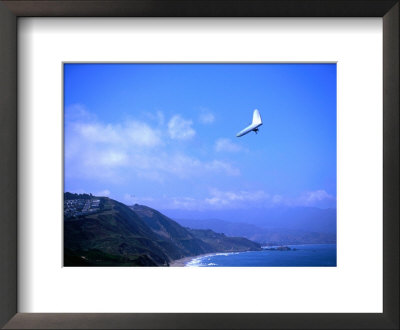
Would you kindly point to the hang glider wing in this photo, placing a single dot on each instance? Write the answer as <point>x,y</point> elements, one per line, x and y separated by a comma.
<point>256,123</point>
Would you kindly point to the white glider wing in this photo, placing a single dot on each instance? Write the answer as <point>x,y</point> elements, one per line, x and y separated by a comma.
<point>256,123</point>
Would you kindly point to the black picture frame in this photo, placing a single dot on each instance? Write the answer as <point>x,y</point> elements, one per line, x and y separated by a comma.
<point>12,9</point>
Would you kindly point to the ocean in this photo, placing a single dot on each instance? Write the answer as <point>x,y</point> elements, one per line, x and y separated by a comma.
<point>310,255</point>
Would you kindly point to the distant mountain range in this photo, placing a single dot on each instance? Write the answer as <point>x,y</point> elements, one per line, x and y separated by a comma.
<point>113,234</point>
<point>265,236</point>
<point>303,219</point>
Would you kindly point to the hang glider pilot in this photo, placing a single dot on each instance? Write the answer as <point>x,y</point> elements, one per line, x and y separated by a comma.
<point>256,123</point>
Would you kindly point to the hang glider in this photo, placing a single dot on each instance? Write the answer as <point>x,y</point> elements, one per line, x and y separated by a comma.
<point>256,123</point>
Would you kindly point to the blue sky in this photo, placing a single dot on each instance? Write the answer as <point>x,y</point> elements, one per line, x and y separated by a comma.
<point>164,135</point>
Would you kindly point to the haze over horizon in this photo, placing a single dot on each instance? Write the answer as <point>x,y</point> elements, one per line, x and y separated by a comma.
<point>163,135</point>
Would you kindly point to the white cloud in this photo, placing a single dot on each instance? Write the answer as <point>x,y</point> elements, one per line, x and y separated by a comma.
<point>130,199</point>
<point>94,132</point>
<point>131,133</point>
<point>183,166</point>
<point>186,203</point>
<point>312,198</point>
<point>216,200</point>
<point>242,199</point>
<point>235,199</point>
<point>141,134</point>
<point>277,199</point>
<point>206,117</point>
<point>160,118</point>
<point>94,150</point>
<point>157,117</point>
<point>180,129</point>
<point>103,193</point>
<point>226,145</point>
<point>111,158</point>
<point>224,167</point>
<point>78,111</point>
<point>118,152</point>
<point>317,198</point>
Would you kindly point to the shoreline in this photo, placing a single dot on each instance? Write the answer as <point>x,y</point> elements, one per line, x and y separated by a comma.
<point>304,244</point>
<point>182,262</point>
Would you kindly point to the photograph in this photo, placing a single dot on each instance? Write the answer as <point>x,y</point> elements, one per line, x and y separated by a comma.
<point>200,164</point>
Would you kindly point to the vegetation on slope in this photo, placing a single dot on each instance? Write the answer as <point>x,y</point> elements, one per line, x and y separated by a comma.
<point>117,235</point>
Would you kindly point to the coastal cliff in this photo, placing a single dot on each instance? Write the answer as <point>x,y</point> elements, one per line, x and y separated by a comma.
<point>99,231</point>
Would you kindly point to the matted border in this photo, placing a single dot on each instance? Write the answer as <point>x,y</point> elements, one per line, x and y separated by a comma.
<point>11,10</point>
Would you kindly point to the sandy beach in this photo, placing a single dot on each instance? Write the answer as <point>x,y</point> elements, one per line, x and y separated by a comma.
<point>182,262</point>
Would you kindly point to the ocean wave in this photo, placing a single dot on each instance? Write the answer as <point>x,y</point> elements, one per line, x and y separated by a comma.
<point>193,263</point>
<point>225,254</point>
<point>203,260</point>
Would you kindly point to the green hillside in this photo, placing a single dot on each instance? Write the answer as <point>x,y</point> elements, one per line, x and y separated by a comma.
<point>173,233</point>
<point>113,234</point>
<point>222,243</point>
